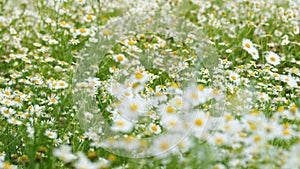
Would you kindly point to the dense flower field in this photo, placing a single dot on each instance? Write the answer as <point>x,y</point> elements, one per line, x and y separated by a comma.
<point>191,84</point>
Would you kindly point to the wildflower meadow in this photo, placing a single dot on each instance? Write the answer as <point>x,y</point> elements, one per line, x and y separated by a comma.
<point>149,84</point>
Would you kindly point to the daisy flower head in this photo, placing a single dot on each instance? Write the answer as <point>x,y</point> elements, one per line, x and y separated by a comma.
<point>250,48</point>
<point>81,2</point>
<point>195,95</point>
<point>64,153</point>
<point>83,31</point>
<point>53,99</point>
<point>263,97</point>
<point>122,125</point>
<point>218,139</point>
<point>120,58</point>
<point>291,81</point>
<point>89,18</point>
<point>247,44</point>
<point>133,107</point>
<point>154,128</point>
<point>74,41</point>
<point>165,144</point>
<point>140,77</point>
<point>51,134</point>
<point>14,121</point>
<point>234,77</point>
<point>172,122</point>
<point>199,122</point>
<point>272,58</point>
<point>84,162</point>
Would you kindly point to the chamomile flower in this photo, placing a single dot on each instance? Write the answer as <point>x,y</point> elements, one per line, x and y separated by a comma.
<point>62,84</point>
<point>219,139</point>
<point>250,48</point>
<point>89,18</point>
<point>7,112</point>
<point>171,122</point>
<point>165,144</point>
<point>74,41</point>
<point>263,97</point>
<point>132,108</point>
<point>81,2</point>
<point>53,42</point>
<point>120,58</point>
<point>83,31</point>
<point>195,95</point>
<point>154,128</point>
<point>219,166</point>
<point>247,44</point>
<point>53,99</point>
<point>64,24</point>
<point>291,81</point>
<point>122,125</point>
<point>83,162</point>
<point>14,121</point>
<point>50,134</point>
<point>234,77</point>
<point>140,76</point>
<point>199,121</point>
<point>272,58</point>
<point>64,153</point>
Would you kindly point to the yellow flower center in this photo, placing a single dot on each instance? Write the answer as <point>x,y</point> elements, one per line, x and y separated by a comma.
<point>198,122</point>
<point>170,109</point>
<point>164,146</point>
<point>131,43</point>
<point>120,58</point>
<point>154,128</point>
<point>134,107</point>
<point>219,140</point>
<point>82,30</point>
<point>52,100</point>
<point>247,45</point>
<point>89,17</point>
<point>120,123</point>
<point>138,75</point>
<point>273,59</point>
<point>257,138</point>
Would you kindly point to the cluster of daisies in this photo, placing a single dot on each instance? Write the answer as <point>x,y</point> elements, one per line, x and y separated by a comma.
<point>149,84</point>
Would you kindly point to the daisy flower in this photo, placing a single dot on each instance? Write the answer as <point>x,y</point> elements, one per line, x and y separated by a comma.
<point>195,95</point>
<point>120,58</point>
<point>218,139</point>
<point>84,162</point>
<point>14,121</point>
<point>62,84</point>
<point>249,47</point>
<point>292,82</point>
<point>234,77</point>
<point>83,31</point>
<point>89,18</point>
<point>165,143</point>
<point>64,153</point>
<point>272,58</point>
<point>53,99</point>
<point>7,112</point>
<point>74,41</point>
<point>199,123</point>
<point>81,2</point>
<point>156,129</point>
<point>122,125</point>
<point>263,97</point>
<point>132,108</point>
<point>247,44</point>
<point>51,134</point>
